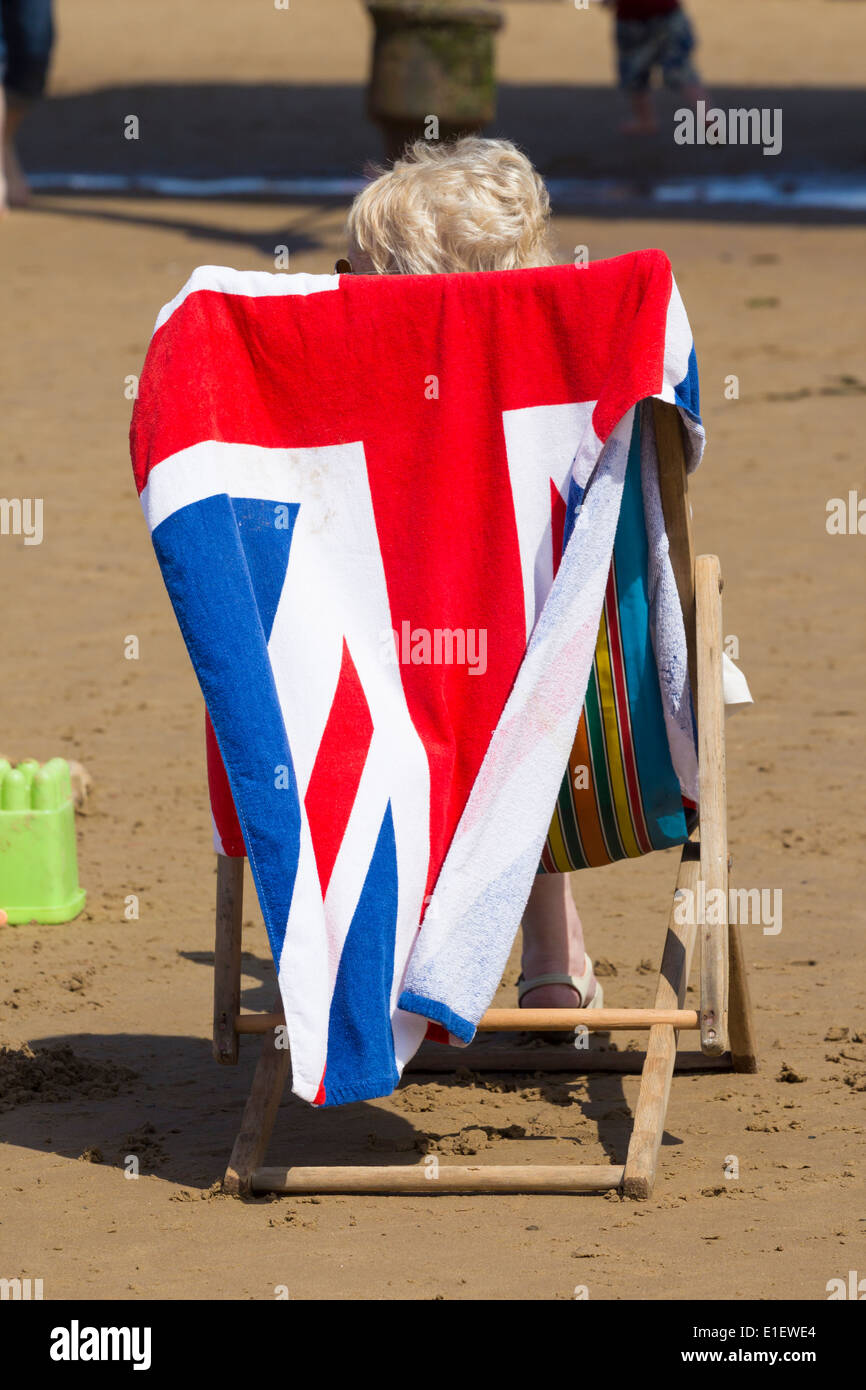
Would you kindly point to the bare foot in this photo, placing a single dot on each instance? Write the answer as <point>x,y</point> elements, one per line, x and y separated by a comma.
<point>17,187</point>
<point>643,120</point>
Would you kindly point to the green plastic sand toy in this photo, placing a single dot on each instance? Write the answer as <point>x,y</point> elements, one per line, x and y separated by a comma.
<point>38,861</point>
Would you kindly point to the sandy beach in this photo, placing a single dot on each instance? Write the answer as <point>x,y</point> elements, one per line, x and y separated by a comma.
<point>106,1021</point>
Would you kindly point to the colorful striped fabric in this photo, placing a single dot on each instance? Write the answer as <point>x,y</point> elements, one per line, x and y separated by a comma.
<point>620,797</point>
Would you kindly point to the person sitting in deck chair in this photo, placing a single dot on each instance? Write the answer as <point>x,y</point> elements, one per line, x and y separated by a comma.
<point>478,205</point>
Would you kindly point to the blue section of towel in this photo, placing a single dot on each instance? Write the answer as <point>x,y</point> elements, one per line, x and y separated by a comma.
<point>208,598</point>
<point>687,392</point>
<point>440,1013</point>
<point>265,529</point>
<point>361,1061</point>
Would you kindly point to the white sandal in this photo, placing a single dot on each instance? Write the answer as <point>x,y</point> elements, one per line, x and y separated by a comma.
<point>580,983</point>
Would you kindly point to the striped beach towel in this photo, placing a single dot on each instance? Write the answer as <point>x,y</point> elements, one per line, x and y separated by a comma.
<point>620,795</point>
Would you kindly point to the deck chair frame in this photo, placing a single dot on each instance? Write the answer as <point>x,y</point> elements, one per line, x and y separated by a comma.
<point>723,1019</point>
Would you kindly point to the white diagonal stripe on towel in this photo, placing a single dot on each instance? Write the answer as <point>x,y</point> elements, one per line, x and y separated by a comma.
<point>488,873</point>
<point>539,439</point>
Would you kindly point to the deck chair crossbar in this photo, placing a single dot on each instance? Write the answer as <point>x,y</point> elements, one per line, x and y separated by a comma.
<point>723,1019</point>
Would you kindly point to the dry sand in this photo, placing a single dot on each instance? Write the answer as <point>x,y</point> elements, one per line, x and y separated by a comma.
<point>116,1012</point>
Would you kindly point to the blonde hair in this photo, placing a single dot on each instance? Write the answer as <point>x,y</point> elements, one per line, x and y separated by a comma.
<point>472,205</point>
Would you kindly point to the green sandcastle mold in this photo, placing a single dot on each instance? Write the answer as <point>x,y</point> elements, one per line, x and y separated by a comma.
<point>38,861</point>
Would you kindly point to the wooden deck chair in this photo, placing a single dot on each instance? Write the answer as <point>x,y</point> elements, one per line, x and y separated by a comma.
<point>723,1019</point>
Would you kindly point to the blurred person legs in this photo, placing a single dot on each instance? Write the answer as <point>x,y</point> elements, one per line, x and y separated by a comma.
<point>650,35</point>
<point>26,38</point>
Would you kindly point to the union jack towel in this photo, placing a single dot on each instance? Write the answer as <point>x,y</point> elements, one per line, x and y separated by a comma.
<point>355,487</point>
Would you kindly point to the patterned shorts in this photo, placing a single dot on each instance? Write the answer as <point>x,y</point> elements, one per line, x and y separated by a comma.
<point>665,41</point>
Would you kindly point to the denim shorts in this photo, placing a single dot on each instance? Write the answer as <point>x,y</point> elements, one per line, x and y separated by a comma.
<point>664,41</point>
<point>26,36</point>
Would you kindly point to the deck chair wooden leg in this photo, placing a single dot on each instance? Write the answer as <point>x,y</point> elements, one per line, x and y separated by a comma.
<point>724,996</point>
<point>658,1069</point>
<point>744,1052</point>
<point>227,958</point>
<point>713,808</point>
<point>260,1113</point>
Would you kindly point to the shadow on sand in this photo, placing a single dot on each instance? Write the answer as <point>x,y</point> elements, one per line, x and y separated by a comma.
<point>571,133</point>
